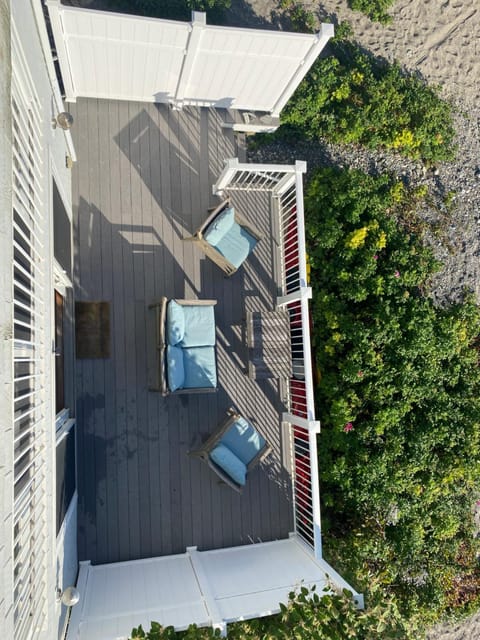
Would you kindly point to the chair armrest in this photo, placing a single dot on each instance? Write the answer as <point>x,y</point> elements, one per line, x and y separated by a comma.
<point>261,455</point>
<point>210,443</point>
<point>223,205</point>
<point>160,310</point>
<point>196,303</point>
<point>243,222</point>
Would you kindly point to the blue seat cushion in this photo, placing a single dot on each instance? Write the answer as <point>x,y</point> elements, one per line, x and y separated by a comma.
<point>199,326</point>
<point>228,461</point>
<point>175,368</point>
<point>175,323</point>
<point>236,245</point>
<point>200,367</point>
<point>244,440</point>
<point>219,226</point>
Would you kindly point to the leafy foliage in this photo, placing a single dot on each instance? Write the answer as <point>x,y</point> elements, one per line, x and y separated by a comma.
<point>352,97</point>
<point>171,9</point>
<point>309,616</point>
<point>399,392</point>
<point>375,9</point>
<point>295,17</point>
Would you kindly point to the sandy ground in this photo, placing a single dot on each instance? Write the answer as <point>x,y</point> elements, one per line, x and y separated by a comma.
<point>440,39</point>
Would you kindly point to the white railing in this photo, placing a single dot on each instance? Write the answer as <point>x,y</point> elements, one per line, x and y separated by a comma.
<point>285,184</point>
<point>29,362</point>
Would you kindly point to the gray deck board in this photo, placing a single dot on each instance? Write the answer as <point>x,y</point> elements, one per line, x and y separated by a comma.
<point>142,183</point>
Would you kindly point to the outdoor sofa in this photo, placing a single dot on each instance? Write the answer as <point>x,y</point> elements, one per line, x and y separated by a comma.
<point>185,346</point>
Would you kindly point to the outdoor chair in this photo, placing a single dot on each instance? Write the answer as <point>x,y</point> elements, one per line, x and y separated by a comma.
<point>233,450</point>
<point>185,359</point>
<point>226,237</point>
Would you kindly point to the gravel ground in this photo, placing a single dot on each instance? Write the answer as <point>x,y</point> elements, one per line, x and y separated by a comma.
<point>457,245</point>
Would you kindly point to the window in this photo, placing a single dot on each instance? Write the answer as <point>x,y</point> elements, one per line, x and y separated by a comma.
<point>59,354</point>
<point>62,233</point>
<point>65,454</point>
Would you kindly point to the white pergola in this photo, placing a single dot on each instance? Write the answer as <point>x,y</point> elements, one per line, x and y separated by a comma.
<point>126,57</point>
<point>209,588</point>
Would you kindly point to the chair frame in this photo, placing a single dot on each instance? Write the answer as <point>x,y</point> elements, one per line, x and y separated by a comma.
<point>160,383</point>
<point>203,452</point>
<point>209,250</point>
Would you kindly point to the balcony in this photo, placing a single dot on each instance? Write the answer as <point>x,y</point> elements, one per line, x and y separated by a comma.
<point>142,183</point>
<point>145,178</point>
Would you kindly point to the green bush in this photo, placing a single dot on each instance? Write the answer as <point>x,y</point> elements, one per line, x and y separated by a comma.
<point>171,9</point>
<point>351,97</point>
<point>307,616</point>
<point>375,9</point>
<point>399,394</point>
<point>295,17</point>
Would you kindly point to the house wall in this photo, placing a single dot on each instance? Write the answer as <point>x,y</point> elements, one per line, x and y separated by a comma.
<point>6,342</point>
<point>27,20</point>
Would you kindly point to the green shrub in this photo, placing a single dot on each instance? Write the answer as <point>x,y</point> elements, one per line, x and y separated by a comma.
<point>353,98</point>
<point>399,394</point>
<point>296,17</point>
<point>375,9</point>
<point>171,9</point>
<point>307,616</point>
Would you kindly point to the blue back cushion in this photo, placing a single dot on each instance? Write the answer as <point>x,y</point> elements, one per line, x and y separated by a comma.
<point>200,367</point>
<point>199,326</point>
<point>244,440</point>
<point>175,325</point>
<point>219,226</point>
<point>236,245</point>
<point>228,461</point>
<point>175,369</point>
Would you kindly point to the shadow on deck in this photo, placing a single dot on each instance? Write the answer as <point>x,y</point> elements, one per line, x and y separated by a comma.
<point>142,183</point>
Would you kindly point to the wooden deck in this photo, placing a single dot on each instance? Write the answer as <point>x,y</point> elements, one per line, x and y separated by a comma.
<point>143,181</point>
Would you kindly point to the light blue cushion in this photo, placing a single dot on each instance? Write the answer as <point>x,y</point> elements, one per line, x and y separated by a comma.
<point>228,461</point>
<point>200,367</point>
<point>199,326</point>
<point>236,245</point>
<point>244,440</point>
<point>220,226</point>
<point>175,325</point>
<point>175,368</point>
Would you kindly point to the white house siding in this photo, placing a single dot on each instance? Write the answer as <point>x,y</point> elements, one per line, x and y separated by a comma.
<point>6,343</point>
<point>40,153</point>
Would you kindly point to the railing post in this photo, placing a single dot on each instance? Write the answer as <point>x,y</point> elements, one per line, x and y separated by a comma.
<point>231,167</point>
<point>315,487</point>
<point>300,169</point>
<point>305,423</point>
<point>304,293</point>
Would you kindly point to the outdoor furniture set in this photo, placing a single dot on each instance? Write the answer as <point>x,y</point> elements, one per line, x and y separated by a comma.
<point>185,340</point>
